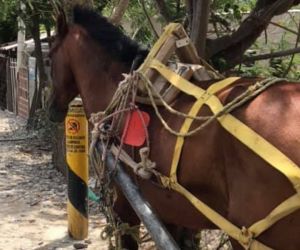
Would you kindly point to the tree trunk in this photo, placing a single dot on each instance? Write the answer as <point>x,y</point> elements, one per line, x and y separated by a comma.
<point>21,41</point>
<point>59,149</point>
<point>199,24</point>
<point>48,31</point>
<point>119,12</point>
<point>35,32</point>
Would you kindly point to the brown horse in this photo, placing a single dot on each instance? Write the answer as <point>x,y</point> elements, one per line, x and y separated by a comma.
<point>89,57</point>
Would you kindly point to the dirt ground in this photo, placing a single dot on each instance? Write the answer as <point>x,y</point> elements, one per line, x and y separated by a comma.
<point>33,195</point>
<point>33,198</point>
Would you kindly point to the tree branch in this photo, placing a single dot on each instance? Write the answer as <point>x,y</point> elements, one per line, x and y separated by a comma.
<point>119,12</point>
<point>163,10</point>
<point>199,25</point>
<point>293,56</point>
<point>284,28</point>
<point>149,19</point>
<point>231,48</point>
<point>215,18</point>
<point>189,10</point>
<point>270,55</point>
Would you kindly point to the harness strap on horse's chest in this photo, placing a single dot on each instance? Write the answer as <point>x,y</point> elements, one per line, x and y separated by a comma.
<point>188,87</point>
<point>249,138</point>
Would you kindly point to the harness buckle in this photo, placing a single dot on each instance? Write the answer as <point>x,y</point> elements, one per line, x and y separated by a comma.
<point>183,42</point>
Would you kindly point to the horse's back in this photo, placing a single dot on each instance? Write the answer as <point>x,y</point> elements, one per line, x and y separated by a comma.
<point>275,114</point>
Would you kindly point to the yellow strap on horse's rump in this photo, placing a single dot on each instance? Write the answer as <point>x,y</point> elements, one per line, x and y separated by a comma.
<point>271,155</point>
<point>285,208</point>
<point>248,137</point>
<point>220,221</point>
<point>257,144</point>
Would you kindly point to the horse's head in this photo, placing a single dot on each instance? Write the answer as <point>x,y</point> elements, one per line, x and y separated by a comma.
<point>88,58</point>
<point>64,87</point>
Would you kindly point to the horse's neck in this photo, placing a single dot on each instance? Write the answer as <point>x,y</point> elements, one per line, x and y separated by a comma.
<point>98,84</point>
<point>96,74</point>
<point>96,96</point>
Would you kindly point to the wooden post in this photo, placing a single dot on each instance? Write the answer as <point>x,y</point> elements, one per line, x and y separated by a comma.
<point>21,41</point>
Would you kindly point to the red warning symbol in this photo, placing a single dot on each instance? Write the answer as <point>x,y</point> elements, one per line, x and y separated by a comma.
<point>73,126</point>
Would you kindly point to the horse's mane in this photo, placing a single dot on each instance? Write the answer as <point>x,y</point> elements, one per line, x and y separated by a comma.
<point>108,36</point>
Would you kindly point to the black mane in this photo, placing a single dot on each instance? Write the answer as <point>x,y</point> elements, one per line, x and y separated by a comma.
<point>118,45</point>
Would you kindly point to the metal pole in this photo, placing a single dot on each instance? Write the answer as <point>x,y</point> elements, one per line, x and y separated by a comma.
<point>76,128</point>
<point>156,229</point>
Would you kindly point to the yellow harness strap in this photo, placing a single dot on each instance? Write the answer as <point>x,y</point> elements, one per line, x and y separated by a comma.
<point>287,207</point>
<point>249,138</point>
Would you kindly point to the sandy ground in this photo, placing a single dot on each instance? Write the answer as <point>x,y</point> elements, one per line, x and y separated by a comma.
<point>33,195</point>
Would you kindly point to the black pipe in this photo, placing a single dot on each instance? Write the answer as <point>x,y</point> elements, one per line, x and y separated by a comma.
<point>156,229</point>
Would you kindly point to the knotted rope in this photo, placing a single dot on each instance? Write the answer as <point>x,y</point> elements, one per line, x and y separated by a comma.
<point>107,127</point>
<point>251,92</point>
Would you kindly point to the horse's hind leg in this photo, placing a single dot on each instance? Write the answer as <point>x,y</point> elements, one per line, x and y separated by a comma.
<point>184,237</point>
<point>189,239</point>
<point>127,215</point>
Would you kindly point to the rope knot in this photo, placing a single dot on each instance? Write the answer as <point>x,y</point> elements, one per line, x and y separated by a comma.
<point>127,78</point>
<point>246,238</point>
<point>96,117</point>
<point>132,106</point>
<point>146,166</point>
<point>252,88</point>
<point>167,182</point>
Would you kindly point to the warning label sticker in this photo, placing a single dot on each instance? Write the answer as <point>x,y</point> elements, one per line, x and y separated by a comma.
<point>76,136</point>
<point>73,126</point>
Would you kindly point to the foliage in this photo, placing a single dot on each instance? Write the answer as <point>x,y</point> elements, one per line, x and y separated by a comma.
<point>42,8</point>
<point>225,5</point>
<point>7,9</point>
<point>229,12</point>
<point>8,30</point>
<point>281,40</point>
<point>8,24</point>
<point>10,10</point>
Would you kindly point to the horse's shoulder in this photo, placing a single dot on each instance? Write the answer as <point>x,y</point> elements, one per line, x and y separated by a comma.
<point>233,91</point>
<point>269,108</point>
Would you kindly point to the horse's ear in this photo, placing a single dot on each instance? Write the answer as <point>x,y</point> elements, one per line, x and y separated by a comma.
<point>62,24</point>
